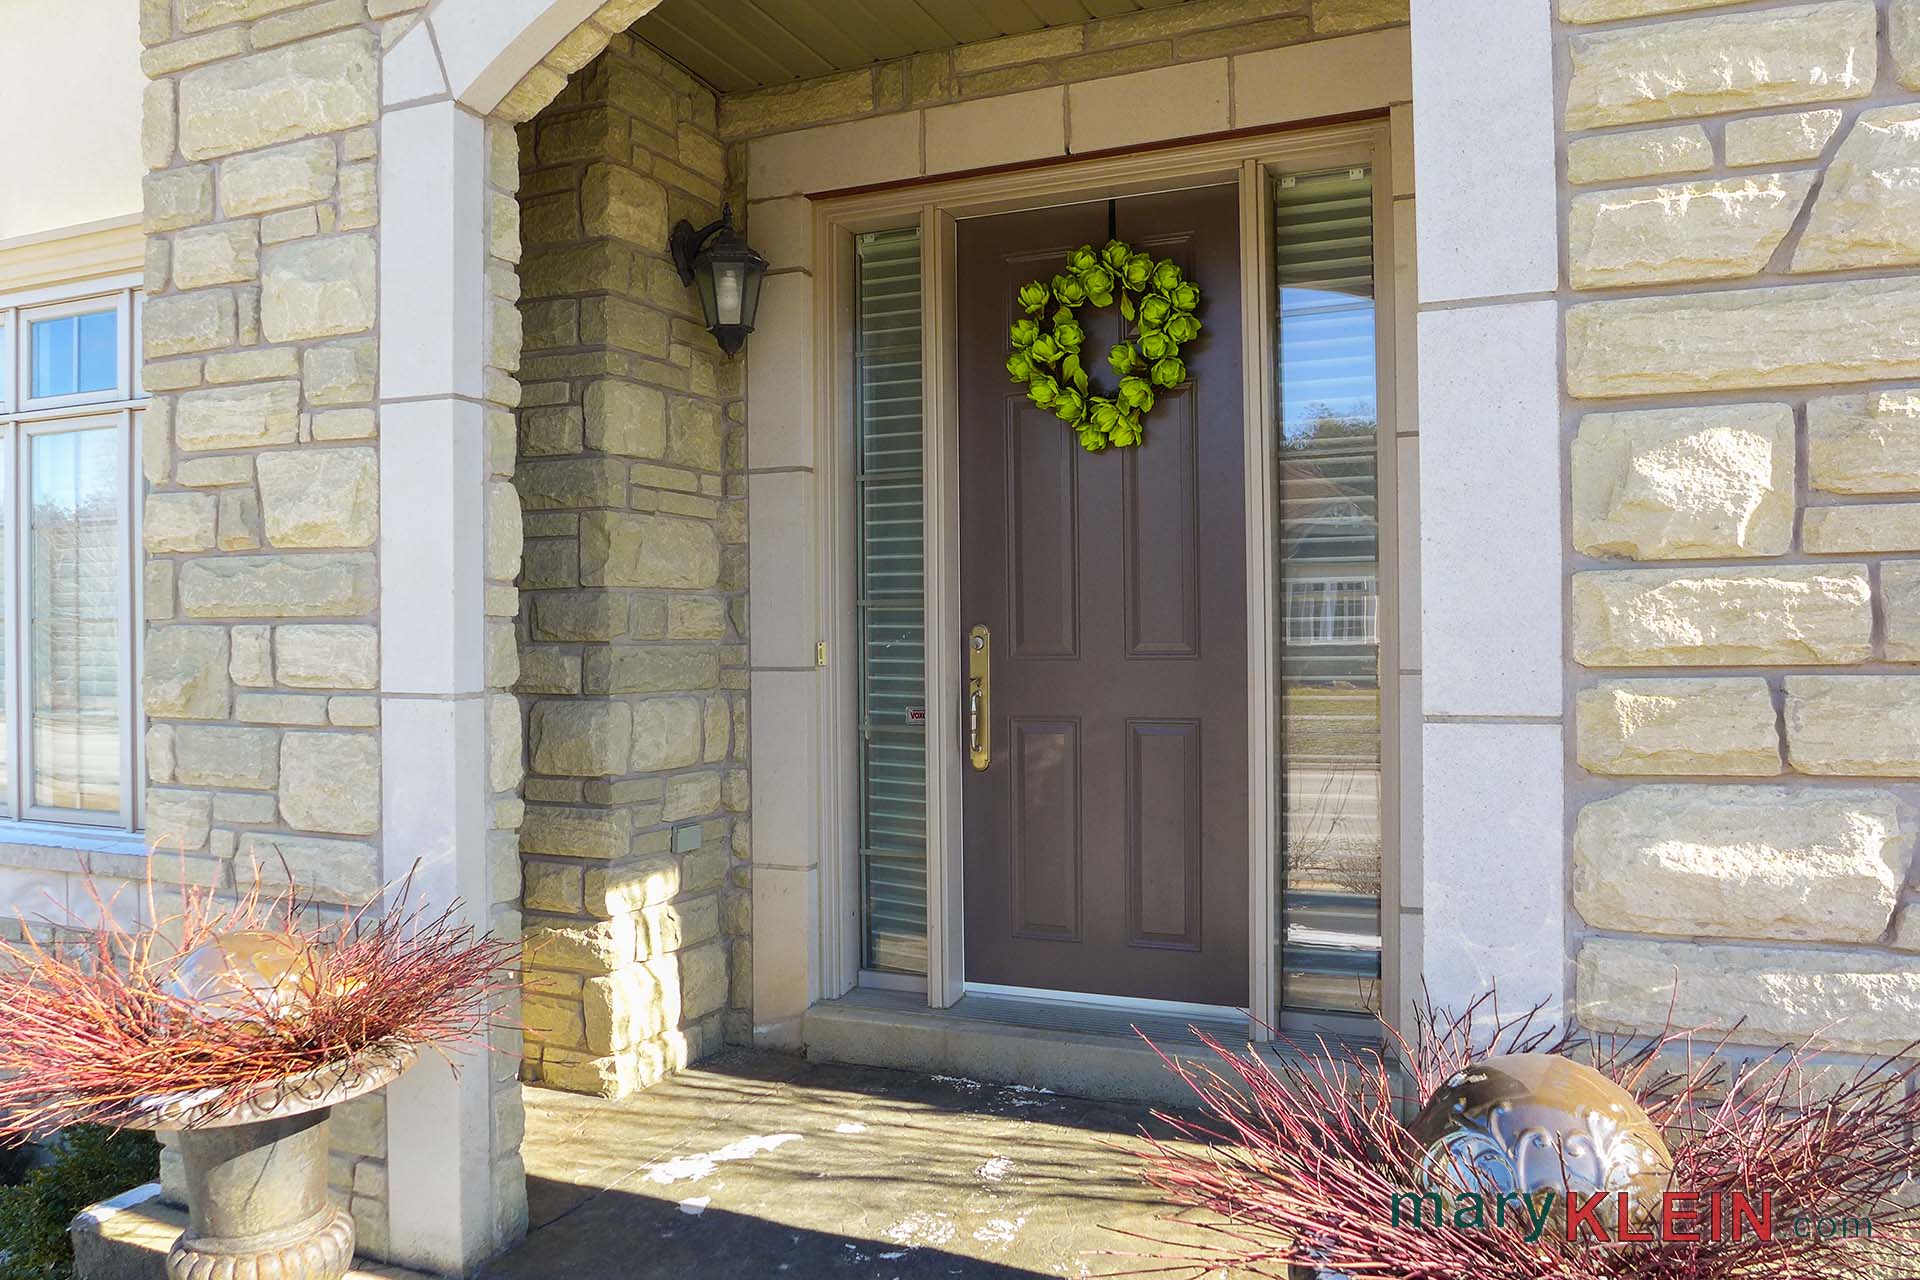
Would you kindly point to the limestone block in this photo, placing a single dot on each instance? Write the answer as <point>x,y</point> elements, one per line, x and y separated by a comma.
<point>1906,934</point>
<point>580,739</point>
<point>1645,153</point>
<point>1712,230</point>
<point>327,657</point>
<point>186,322</point>
<point>1861,529</point>
<point>618,549</point>
<point>1900,609</point>
<point>239,520</point>
<point>339,372</point>
<point>224,756</point>
<point>1868,443</point>
<point>1787,615</point>
<point>302,90</point>
<point>1665,484</point>
<point>504,532</point>
<point>1869,203</point>
<point>602,947</point>
<point>666,734</point>
<point>572,483</point>
<point>238,417</point>
<point>344,871</point>
<point>551,886</point>
<point>177,198</point>
<point>178,522</point>
<point>1796,864</point>
<point>278,178</point>
<point>1678,727</point>
<point>553,429</point>
<point>1855,726</point>
<point>317,288</point>
<point>252,662</point>
<point>691,795</point>
<point>1798,135</point>
<point>618,203</point>
<point>714,736</point>
<point>331,782</point>
<point>553,1022</point>
<point>696,618</point>
<point>215,472</point>
<point>178,821</point>
<point>157,124</point>
<point>299,586</point>
<point>576,833</point>
<point>627,419</point>
<point>1790,335</point>
<point>320,497</point>
<point>652,669</point>
<point>186,675</point>
<point>696,436</point>
<point>703,980</point>
<point>505,751</point>
<point>1702,66</point>
<point>1903,39</point>
<point>226,253</point>
<point>625,1008</point>
<point>1856,1001</point>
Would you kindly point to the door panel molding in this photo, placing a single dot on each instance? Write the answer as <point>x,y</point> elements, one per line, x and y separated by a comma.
<point>1047,860</point>
<point>1164,895</point>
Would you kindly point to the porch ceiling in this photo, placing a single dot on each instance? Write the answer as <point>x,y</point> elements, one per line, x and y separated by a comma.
<point>737,45</point>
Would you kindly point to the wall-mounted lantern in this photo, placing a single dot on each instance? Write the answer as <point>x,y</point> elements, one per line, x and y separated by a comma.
<point>728,272</point>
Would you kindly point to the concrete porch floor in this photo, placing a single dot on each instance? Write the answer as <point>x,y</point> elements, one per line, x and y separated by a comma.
<point>757,1164</point>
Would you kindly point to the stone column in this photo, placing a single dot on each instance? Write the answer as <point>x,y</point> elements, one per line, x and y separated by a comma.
<point>633,622</point>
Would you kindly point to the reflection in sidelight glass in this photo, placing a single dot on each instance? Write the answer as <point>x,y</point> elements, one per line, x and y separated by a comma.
<point>73,355</point>
<point>75,571</point>
<point>1329,555</point>
<point>892,603</point>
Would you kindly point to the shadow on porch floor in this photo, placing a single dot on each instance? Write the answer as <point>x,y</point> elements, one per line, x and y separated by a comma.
<point>757,1164</point>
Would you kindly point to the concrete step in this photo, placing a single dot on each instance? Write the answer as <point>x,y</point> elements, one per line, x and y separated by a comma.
<point>127,1238</point>
<point>1078,1050</point>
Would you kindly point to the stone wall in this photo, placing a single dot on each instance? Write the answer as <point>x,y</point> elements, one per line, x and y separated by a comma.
<point>264,680</point>
<point>1163,36</point>
<point>633,610</point>
<point>1742,328</point>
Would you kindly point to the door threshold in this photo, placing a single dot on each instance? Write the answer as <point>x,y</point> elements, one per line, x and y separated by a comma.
<point>1222,1013</point>
<point>1081,1050</point>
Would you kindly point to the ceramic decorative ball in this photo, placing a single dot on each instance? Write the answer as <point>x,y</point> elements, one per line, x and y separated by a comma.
<point>1529,1122</point>
<point>248,972</point>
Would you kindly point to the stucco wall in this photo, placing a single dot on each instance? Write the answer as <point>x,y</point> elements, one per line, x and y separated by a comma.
<point>70,86</point>
<point>1743,442</point>
<point>633,590</point>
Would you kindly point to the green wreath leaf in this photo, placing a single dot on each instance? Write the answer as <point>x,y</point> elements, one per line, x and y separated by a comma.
<point>1047,352</point>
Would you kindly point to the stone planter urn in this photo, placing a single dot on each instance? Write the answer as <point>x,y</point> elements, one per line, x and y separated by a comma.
<point>257,1206</point>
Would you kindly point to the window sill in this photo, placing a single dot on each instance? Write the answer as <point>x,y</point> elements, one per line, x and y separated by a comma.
<point>51,846</point>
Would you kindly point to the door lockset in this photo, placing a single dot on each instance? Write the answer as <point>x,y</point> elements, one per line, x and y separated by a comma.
<point>979,697</point>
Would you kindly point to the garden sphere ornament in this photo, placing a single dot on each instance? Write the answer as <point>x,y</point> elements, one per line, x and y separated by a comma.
<point>1522,1123</point>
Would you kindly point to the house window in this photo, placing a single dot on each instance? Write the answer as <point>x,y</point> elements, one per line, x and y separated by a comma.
<point>1329,470</point>
<point>69,595</point>
<point>889,425</point>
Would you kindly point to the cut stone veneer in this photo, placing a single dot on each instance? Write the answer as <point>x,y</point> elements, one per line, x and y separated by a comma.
<point>1867,443</point>
<point>1857,1001</point>
<point>1783,863</point>
<point>1787,615</point>
<point>1815,872</point>
<point>1670,484</point>
<point>1856,726</point>
<point>1678,727</point>
<point>633,621</point>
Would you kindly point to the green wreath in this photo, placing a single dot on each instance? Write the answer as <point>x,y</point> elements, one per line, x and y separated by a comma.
<point>1047,353</point>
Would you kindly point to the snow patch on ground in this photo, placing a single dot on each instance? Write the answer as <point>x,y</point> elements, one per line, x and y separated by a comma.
<point>1000,1230</point>
<point>693,1168</point>
<point>920,1229</point>
<point>994,1169</point>
<point>850,1126</point>
<point>695,1207</point>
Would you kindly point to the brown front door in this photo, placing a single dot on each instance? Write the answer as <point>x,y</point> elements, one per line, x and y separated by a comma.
<point>1106,842</point>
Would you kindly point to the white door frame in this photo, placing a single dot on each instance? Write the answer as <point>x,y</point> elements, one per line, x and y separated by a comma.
<point>936,207</point>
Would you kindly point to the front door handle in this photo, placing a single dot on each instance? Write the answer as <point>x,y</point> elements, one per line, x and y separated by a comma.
<point>979,698</point>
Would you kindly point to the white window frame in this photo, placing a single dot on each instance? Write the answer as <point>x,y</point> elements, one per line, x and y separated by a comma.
<point>23,419</point>
<point>119,303</point>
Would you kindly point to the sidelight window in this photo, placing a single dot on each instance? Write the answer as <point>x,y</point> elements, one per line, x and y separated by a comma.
<point>889,424</point>
<point>69,599</point>
<point>1329,479</point>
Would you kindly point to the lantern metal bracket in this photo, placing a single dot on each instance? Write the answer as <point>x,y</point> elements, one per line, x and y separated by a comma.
<point>686,241</point>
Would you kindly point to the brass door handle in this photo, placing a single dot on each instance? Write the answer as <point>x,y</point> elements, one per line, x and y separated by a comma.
<point>979,698</point>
